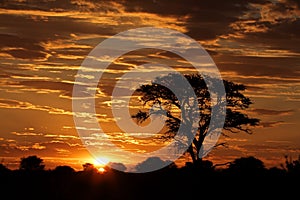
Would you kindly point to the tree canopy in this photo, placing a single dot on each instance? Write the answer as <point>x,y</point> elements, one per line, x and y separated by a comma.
<point>179,110</point>
<point>31,163</point>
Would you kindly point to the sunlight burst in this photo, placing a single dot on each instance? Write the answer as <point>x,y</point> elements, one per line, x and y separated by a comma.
<point>101,169</point>
<point>100,161</point>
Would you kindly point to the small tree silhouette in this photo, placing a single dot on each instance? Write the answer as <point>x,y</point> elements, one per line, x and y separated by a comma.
<point>292,166</point>
<point>150,163</point>
<point>3,169</point>
<point>63,170</point>
<point>158,95</point>
<point>246,165</point>
<point>31,163</point>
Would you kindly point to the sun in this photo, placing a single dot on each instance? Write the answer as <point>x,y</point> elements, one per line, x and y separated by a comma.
<point>101,170</point>
<point>99,163</point>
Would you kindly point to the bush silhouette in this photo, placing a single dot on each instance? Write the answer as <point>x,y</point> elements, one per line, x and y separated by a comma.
<point>3,169</point>
<point>246,166</point>
<point>292,166</point>
<point>64,170</point>
<point>31,163</point>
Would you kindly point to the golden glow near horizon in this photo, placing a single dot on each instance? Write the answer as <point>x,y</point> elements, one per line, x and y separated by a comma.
<point>43,44</point>
<point>101,170</point>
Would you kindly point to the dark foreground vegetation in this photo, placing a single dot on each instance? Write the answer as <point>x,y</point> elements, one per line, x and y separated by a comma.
<point>243,178</point>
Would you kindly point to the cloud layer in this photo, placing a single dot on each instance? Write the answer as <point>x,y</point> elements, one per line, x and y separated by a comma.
<point>43,43</point>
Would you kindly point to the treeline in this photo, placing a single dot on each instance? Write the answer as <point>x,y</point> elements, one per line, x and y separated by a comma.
<point>247,176</point>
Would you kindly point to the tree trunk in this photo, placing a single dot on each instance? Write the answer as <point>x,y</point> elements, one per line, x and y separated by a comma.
<point>199,144</point>
<point>192,154</point>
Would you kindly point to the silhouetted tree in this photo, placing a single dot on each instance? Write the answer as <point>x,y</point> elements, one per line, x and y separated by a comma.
<point>31,163</point>
<point>246,165</point>
<point>276,172</point>
<point>63,170</point>
<point>3,169</point>
<point>151,163</point>
<point>205,166</point>
<point>292,166</point>
<point>163,101</point>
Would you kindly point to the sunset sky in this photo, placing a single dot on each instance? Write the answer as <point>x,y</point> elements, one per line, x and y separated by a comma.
<point>43,44</point>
